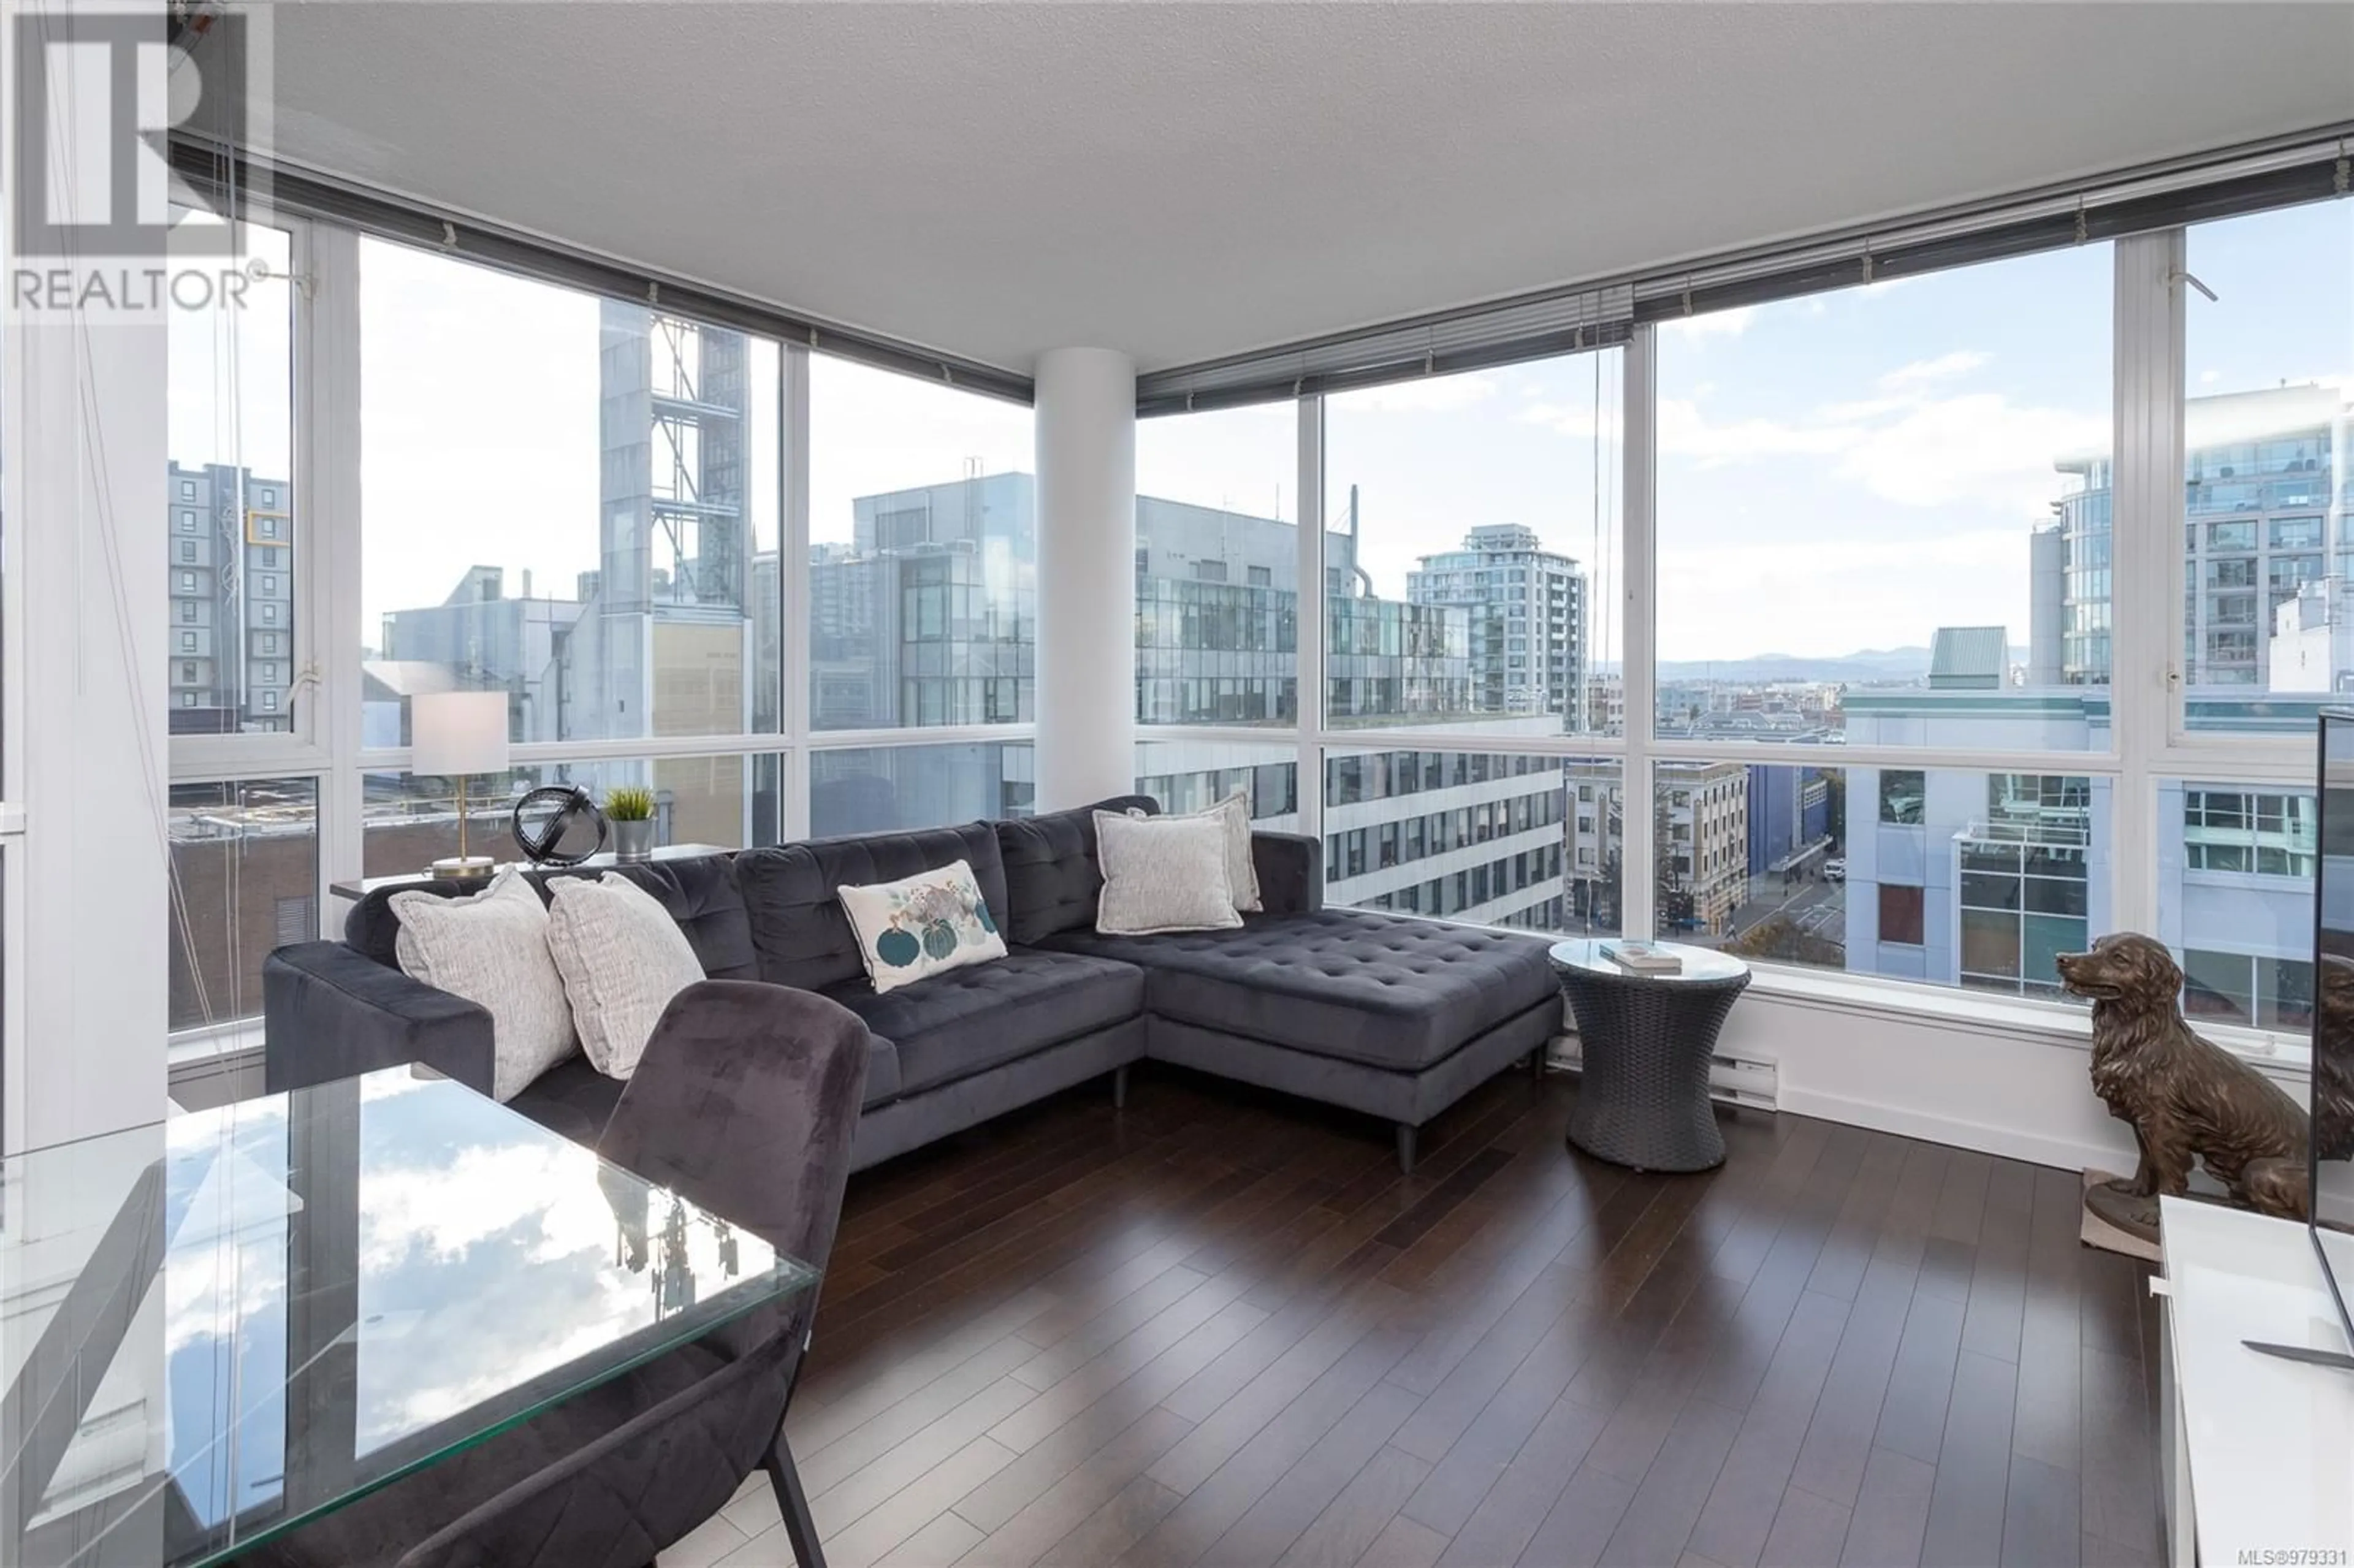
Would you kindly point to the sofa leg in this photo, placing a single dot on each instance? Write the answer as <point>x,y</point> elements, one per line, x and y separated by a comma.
<point>1405,1132</point>
<point>1120,1089</point>
<point>1536,1064</point>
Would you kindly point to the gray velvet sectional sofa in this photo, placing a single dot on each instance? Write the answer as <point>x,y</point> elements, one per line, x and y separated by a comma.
<point>1389,1015</point>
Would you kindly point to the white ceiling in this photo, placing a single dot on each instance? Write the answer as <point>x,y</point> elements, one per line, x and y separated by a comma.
<point>1187,180</point>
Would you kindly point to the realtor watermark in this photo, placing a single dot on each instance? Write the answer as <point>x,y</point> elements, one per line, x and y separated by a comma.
<point>149,291</point>
<point>106,231</point>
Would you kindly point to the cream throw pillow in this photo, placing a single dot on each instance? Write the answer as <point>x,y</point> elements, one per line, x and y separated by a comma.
<point>1164,873</point>
<point>921,925</point>
<point>491,947</point>
<point>622,959</point>
<point>1242,872</point>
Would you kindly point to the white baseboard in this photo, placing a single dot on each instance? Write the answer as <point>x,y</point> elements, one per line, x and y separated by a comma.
<point>2011,1143</point>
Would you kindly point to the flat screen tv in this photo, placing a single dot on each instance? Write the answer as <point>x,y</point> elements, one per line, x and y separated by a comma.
<point>2332,1104</point>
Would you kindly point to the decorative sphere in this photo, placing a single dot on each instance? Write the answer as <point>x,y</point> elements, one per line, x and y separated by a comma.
<point>559,825</point>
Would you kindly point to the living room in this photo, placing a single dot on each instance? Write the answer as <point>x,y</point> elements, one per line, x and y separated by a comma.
<point>765,917</point>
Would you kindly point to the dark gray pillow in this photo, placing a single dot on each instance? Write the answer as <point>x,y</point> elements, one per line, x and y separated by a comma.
<point>1052,876</point>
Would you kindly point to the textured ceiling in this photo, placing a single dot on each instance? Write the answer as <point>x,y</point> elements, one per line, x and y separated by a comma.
<point>1184,181</point>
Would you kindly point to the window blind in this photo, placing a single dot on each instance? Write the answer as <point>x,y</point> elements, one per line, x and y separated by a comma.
<point>226,180</point>
<point>2254,178</point>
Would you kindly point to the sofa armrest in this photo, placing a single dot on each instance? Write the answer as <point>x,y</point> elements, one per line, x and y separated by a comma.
<point>1290,871</point>
<point>328,1012</point>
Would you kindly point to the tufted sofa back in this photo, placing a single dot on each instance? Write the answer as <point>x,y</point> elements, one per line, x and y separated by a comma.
<point>772,914</point>
<point>797,924</point>
<point>1053,877</point>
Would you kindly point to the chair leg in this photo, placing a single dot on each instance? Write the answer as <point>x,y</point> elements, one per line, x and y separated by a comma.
<point>1406,1149</point>
<point>801,1530</point>
<point>1120,1089</point>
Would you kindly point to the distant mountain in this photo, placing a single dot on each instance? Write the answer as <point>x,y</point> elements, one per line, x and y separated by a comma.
<point>1868,667</point>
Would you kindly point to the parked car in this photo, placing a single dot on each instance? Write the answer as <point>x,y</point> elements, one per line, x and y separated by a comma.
<point>1835,869</point>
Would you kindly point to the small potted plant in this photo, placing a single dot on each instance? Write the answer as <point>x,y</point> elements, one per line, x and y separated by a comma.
<point>630,808</point>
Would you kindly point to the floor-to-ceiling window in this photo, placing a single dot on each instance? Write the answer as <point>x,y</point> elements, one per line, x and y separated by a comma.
<point>922,592</point>
<point>1870,594</point>
<point>1218,605</point>
<point>240,637</point>
<point>1876,540</point>
<point>1473,575</point>
<point>2262,616</point>
<point>574,502</point>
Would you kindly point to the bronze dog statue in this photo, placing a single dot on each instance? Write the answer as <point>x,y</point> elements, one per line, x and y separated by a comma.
<point>2333,1059</point>
<point>2185,1097</point>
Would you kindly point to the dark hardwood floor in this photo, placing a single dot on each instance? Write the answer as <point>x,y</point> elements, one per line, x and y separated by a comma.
<point>1218,1327</point>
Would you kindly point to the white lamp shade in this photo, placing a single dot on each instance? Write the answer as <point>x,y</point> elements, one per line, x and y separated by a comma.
<point>454,733</point>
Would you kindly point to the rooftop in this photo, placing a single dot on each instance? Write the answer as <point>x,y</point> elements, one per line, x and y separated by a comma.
<point>1968,657</point>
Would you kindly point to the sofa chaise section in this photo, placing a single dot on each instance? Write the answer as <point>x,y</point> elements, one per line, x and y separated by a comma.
<point>1387,1014</point>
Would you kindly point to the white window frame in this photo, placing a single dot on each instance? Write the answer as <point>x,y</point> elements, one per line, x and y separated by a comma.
<point>299,748</point>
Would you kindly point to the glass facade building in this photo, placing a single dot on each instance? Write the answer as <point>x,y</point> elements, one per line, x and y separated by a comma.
<point>232,586</point>
<point>2264,517</point>
<point>1527,619</point>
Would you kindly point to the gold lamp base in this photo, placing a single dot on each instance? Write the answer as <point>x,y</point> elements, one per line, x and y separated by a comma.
<point>462,866</point>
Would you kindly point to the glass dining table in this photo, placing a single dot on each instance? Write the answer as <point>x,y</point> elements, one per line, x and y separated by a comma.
<point>217,1327</point>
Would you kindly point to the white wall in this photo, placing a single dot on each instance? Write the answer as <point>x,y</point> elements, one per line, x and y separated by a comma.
<point>2000,1086</point>
<point>83,458</point>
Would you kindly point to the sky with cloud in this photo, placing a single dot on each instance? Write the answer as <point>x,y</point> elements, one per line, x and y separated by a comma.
<point>1844,471</point>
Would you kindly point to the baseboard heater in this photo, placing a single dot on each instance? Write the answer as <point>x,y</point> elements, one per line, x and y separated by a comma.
<point>1732,1080</point>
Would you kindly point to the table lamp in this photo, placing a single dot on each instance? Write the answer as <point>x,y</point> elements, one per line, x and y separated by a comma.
<point>455,735</point>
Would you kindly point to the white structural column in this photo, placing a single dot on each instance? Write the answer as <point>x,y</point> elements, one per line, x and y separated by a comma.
<point>1086,576</point>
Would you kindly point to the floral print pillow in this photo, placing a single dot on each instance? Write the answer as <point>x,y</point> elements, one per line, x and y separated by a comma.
<point>921,925</point>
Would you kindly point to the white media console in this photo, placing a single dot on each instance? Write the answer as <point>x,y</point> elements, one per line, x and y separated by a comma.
<point>2258,1451</point>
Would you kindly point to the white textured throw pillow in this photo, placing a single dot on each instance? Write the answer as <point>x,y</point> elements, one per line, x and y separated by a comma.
<point>1242,872</point>
<point>1164,873</point>
<point>622,959</point>
<point>921,925</point>
<point>491,947</point>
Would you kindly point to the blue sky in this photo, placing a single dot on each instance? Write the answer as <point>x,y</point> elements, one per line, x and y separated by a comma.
<point>1843,471</point>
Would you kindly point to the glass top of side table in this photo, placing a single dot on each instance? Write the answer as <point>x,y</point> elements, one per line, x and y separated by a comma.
<point>1700,963</point>
<point>217,1327</point>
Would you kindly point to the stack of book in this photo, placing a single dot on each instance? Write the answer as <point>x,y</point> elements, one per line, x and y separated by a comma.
<point>1643,957</point>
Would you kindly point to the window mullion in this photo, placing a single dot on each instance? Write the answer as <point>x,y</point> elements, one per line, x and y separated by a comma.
<point>1308,635</point>
<point>1639,644</point>
<point>2146,533</point>
<point>329,434</point>
<point>793,588</point>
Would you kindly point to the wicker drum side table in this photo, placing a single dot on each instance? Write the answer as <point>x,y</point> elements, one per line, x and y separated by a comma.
<point>1642,1099</point>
